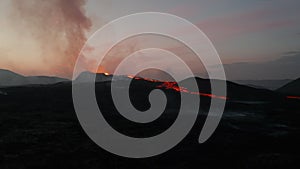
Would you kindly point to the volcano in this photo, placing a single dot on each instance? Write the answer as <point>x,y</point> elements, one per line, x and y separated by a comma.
<point>39,127</point>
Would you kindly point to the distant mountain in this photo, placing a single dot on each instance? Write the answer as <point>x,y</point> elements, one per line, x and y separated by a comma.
<point>9,78</point>
<point>267,84</point>
<point>234,91</point>
<point>292,88</point>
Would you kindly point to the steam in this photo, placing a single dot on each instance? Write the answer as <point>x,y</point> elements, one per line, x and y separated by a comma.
<point>58,27</point>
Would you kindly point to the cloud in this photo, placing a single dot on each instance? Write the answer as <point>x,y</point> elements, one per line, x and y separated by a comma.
<point>286,67</point>
<point>243,23</point>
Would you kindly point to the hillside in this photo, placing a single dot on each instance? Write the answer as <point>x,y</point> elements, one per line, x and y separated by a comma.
<point>292,88</point>
<point>236,91</point>
<point>40,129</point>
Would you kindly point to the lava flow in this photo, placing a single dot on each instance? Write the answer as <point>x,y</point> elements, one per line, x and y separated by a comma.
<point>174,86</point>
<point>142,78</point>
<point>293,97</point>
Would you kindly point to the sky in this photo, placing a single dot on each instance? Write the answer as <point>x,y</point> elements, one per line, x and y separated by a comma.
<point>258,39</point>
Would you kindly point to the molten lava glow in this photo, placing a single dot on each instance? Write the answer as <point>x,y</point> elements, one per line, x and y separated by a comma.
<point>101,69</point>
<point>174,86</point>
<point>140,78</point>
<point>293,97</point>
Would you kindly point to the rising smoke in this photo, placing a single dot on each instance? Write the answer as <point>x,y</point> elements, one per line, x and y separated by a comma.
<point>57,26</point>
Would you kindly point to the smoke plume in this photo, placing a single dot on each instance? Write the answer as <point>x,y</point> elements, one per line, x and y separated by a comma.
<point>58,27</point>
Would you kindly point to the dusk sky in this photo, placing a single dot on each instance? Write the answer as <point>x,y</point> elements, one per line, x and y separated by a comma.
<point>258,39</point>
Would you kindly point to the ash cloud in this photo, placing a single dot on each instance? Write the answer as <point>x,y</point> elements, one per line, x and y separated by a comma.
<point>57,26</point>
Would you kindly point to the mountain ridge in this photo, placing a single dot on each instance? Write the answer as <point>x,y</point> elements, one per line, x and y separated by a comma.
<point>234,90</point>
<point>9,78</point>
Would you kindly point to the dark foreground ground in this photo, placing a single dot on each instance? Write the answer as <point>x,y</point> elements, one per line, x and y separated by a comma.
<point>39,129</point>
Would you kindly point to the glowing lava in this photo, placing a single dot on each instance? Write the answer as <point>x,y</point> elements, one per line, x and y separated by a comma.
<point>174,86</point>
<point>293,97</point>
<point>141,78</point>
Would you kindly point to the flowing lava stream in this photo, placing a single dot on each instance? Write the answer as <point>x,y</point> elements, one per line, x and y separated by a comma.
<point>173,86</point>
<point>293,97</point>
